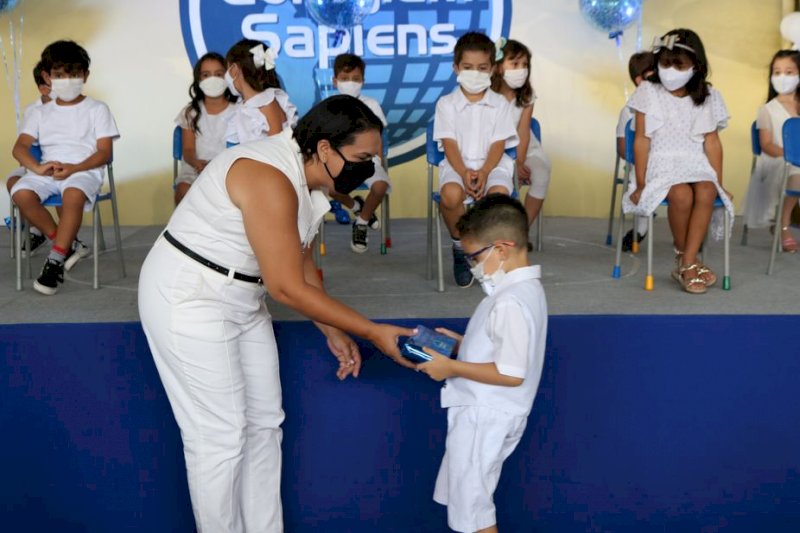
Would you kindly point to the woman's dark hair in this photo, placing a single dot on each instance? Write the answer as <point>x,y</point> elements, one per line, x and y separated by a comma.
<point>259,78</point>
<point>474,41</point>
<point>337,119</point>
<point>512,50</point>
<point>780,54</point>
<point>69,55</point>
<point>192,113</point>
<point>697,87</point>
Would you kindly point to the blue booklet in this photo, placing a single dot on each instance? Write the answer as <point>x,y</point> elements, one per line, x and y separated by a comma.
<point>412,348</point>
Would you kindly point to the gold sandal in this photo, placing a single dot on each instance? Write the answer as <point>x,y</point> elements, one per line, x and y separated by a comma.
<point>694,285</point>
<point>706,274</point>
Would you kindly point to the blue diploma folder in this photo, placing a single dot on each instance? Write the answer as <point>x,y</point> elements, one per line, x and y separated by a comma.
<point>412,348</point>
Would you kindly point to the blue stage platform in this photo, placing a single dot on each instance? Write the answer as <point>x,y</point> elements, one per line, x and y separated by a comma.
<point>642,423</point>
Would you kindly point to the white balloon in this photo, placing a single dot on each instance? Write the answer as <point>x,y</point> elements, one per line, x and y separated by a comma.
<point>790,27</point>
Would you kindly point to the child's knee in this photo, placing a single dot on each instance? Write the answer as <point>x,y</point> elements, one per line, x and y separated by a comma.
<point>452,196</point>
<point>705,192</point>
<point>379,188</point>
<point>681,196</point>
<point>24,197</point>
<point>73,198</point>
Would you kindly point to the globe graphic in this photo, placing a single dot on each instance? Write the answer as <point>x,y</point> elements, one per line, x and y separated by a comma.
<point>406,82</point>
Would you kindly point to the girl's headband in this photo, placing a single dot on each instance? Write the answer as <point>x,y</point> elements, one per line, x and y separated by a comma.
<point>670,42</point>
<point>263,57</point>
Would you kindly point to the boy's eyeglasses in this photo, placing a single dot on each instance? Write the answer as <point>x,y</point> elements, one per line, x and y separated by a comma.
<point>472,259</point>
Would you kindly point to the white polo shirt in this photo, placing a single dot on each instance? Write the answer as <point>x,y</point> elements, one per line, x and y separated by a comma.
<point>508,328</point>
<point>475,126</point>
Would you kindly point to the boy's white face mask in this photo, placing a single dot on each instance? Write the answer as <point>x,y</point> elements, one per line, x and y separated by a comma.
<point>474,81</point>
<point>489,282</point>
<point>66,89</point>
<point>350,88</point>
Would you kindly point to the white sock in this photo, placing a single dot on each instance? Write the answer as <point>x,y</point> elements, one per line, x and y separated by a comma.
<point>360,221</point>
<point>457,244</point>
<point>641,225</point>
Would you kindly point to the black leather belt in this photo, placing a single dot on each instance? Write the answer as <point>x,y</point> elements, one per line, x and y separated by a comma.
<point>210,264</point>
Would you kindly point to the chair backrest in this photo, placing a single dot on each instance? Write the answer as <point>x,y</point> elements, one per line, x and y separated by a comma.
<point>536,129</point>
<point>36,152</point>
<point>432,153</point>
<point>754,140</point>
<point>177,143</point>
<point>791,140</point>
<point>630,135</point>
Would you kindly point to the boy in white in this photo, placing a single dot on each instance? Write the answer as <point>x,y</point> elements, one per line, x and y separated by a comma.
<point>641,66</point>
<point>491,386</point>
<point>348,77</point>
<point>473,126</point>
<point>75,133</point>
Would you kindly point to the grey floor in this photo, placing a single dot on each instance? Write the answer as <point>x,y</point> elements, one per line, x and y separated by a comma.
<point>576,275</point>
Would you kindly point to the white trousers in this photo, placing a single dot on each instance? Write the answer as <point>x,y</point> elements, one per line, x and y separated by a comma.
<point>214,347</point>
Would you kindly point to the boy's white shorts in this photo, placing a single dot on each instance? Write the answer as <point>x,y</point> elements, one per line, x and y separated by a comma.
<point>502,175</point>
<point>89,182</point>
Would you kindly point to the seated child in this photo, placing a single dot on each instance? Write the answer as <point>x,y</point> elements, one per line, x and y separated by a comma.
<point>512,79</point>
<point>641,66</point>
<point>75,133</point>
<point>265,109</point>
<point>44,96</point>
<point>491,386</point>
<point>204,122</point>
<point>473,126</point>
<point>348,77</point>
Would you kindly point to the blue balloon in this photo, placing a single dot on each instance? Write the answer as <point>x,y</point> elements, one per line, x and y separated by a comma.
<point>611,16</point>
<point>339,14</point>
<point>8,5</point>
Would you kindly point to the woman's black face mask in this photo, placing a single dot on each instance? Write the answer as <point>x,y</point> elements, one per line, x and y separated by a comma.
<point>353,174</point>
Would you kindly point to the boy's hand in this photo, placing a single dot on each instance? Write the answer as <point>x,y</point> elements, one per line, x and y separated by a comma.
<point>480,183</point>
<point>44,169</point>
<point>452,335</point>
<point>346,352</point>
<point>438,368</point>
<point>62,171</point>
<point>523,173</point>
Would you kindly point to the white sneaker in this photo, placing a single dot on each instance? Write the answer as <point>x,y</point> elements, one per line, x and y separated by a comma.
<point>77,252</point>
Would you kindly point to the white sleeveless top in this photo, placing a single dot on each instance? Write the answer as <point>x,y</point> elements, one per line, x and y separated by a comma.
<point>210,224</point>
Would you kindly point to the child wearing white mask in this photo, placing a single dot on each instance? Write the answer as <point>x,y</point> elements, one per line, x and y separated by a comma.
<point>491,387</point>
<point>764,191</point>
<point>512,79</point>
<point>349,71</point>
<point>75,133</point>
<point>677,148</point>
<point>266,109</point>
<point>474,126</point>
<point>204,121</point>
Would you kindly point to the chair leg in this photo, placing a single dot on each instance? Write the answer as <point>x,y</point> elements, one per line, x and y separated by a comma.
<point>16,218</point>
<point>28,247</point>
<point>95,253</point>
<point>776,238</point>
<point>613,203</point>
<point>117,234</point>
<point>429,257</point>
<point>440,269</point>
<point>726,276</point>
<point>12,228</point>
<point>322,250</point>
<point>384,219</point>
<point>744,235</point>
<point>98,221</point>
<point>388,223</point>
<point>539,231</point>
<point>648,280</point>
<point>616,273</point>
<point>635,241</point>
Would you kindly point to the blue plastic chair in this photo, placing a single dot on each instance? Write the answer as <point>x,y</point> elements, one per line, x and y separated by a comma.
<point>98,240</point>
<point>616,181</point>
<point>177,152</point>
<point>433,157</point>
<point>755,144</point>
<point>649,281</point>
<point>791,156</point>
<point>625,180</point>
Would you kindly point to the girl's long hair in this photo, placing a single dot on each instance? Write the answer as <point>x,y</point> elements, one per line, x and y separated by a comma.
<point>196,94</point>
<point>512,50</point>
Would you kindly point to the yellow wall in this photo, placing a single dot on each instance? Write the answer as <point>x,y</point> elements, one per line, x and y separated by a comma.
<point>139,68</point>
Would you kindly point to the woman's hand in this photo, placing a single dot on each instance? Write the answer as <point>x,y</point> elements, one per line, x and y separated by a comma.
<point>439,368</point>
<point>385,336</point>
<point>346,352</point>
<point>635,195</point>
<point>452,335</point>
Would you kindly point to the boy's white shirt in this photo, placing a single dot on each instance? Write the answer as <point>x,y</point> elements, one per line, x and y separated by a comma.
<point>508,328</point>
<point>475,126</point>
<point>69,133</point>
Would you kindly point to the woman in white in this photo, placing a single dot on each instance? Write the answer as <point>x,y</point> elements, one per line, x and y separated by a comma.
<point>204,122</point>
<point>512,80</point>
<point>248,224</point>
<point>678,153</point>
<point>265,109</point>
<point>767,179</point>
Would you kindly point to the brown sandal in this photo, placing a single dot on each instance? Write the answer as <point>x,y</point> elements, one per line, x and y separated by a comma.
<point>694,285</point>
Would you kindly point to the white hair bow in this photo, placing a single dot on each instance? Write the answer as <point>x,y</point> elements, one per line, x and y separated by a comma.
<point>264,57</point>
<point>498,46</point>
<point>670,42</point>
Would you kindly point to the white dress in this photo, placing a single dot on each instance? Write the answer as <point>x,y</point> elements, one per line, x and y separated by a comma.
<point>677,128</point>
<point>250,124</point>
<point>209,140</point>
<point>764,190</point>
<point>535,159</point>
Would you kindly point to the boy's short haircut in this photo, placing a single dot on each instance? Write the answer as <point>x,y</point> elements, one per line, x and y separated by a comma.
<point>473,42</point>
<point>639,63</point>
<point>348,63</point>
<point>37,74</point>
<point>495,217</point>
<point>69,55</point>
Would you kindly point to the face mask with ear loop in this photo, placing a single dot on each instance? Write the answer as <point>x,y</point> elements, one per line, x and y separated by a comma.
<point>353,174</point>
